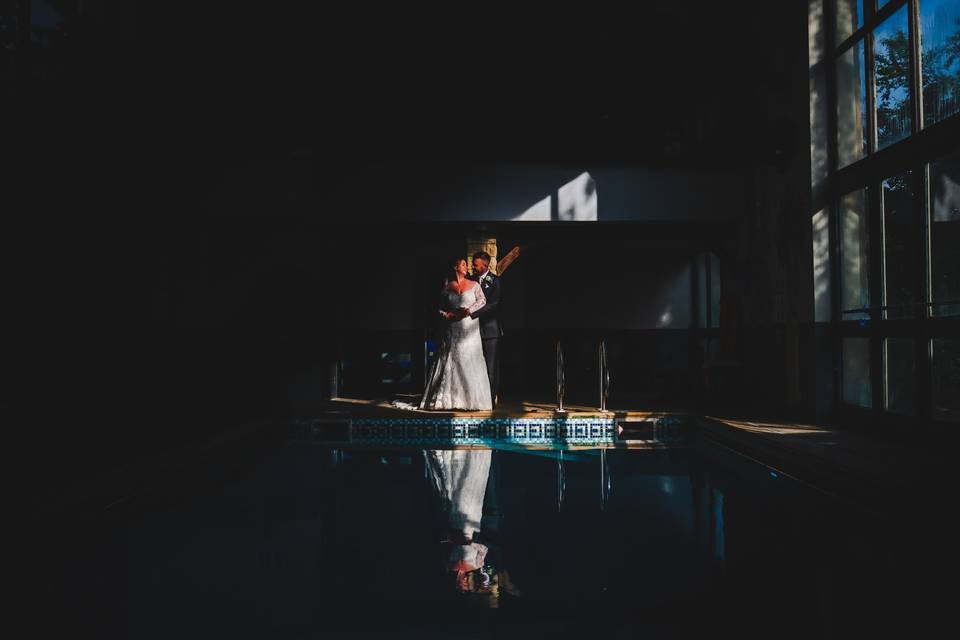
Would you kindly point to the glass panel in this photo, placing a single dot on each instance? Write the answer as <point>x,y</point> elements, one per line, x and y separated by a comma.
<point>946,379</point>
<point>854,255</point>
<point>856,371</point>
<point>821,266</point>
<point>849,16</point>
<point>891,53</point>
<point>945,235</point>
<point>881,3</point>
<point>851,106</point>
<point>901,376</point>
<point>940,56</point>
<point>702,289</point>
<point>818,129</point>
<point>815,33</point>
<point>714,290</point>
<point>901,247</point>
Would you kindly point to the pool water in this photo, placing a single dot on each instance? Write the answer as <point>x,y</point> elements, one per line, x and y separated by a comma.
<point>287,539</point>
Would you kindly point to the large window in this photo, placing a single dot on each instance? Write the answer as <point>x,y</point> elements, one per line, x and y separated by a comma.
<point>854,254</point>
<point>940,55</point>
<point>708,290</point>
<point>852,125</point>
<point>946,379</point>
<point>891,77</point>
<point>875,110</point>
<point>849,18</point>
<point>944,207</point>
<point>900,356</point>
<point>901,248</point>
<point>856,371</point>
<point>885,194</point>
<point>821,266</point>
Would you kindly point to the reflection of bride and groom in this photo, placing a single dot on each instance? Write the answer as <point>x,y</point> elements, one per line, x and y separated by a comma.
<point>464,374</point>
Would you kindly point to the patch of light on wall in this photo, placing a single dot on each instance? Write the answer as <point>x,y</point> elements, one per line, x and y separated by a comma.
<point>540,212</point>
<point>666,318</point>
<point>821,266</point>
<point>672,301</point>
<point>577,200</point>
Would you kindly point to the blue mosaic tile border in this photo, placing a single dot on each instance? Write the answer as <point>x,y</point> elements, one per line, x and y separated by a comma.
<point>486,430</point>
<point>428,431</point>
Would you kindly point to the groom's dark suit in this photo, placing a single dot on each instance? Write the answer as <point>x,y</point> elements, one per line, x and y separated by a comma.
<point>490,330</point>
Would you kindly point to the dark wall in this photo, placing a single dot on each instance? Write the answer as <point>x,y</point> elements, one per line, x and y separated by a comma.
<point>607,278</point>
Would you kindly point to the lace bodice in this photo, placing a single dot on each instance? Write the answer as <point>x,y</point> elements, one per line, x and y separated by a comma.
<point>473,298</point>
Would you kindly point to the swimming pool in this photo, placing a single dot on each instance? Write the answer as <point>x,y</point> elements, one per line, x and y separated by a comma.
<point>289,538</point>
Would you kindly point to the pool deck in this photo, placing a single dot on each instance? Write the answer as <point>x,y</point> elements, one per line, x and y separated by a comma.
<point>877,473</point>
<point>383,408</point>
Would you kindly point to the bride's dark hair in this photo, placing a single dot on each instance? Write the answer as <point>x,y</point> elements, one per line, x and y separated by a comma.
<point>451,270</point>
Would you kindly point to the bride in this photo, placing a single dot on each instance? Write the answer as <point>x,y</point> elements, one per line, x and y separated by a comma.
<point>458,378</point>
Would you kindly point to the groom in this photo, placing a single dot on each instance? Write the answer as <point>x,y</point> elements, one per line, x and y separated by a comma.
<point>490,331</point>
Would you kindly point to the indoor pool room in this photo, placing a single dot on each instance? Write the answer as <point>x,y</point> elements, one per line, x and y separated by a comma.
<point>353,321</point>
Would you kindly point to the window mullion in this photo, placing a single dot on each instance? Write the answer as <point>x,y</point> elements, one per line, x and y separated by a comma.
<point>916,79</point>
<point>876,250</point>
<point>836,298</point>
<point>924,355</point>
<point>830,62</point>
<point>833,203</point>
<point>868,75</point>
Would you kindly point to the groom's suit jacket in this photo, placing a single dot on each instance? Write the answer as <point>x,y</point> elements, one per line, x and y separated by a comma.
<point>488,313</point>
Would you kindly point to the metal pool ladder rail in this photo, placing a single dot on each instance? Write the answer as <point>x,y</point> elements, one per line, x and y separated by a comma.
<point>560,380</point>
<point>604,375</point>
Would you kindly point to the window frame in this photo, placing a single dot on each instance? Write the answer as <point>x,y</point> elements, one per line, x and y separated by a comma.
<point>914,153</point>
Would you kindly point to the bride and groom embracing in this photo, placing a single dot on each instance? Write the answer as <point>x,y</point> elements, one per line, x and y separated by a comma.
<point>464,374</point>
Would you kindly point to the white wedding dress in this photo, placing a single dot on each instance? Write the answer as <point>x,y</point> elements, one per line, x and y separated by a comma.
<point>458,378</point>
<point>459,478</point>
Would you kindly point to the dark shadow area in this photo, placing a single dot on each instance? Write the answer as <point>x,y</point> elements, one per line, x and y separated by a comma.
<point>296,540</point>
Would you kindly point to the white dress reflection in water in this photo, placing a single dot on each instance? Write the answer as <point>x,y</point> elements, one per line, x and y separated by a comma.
<point>458,378</point>
<point>460,479</point>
